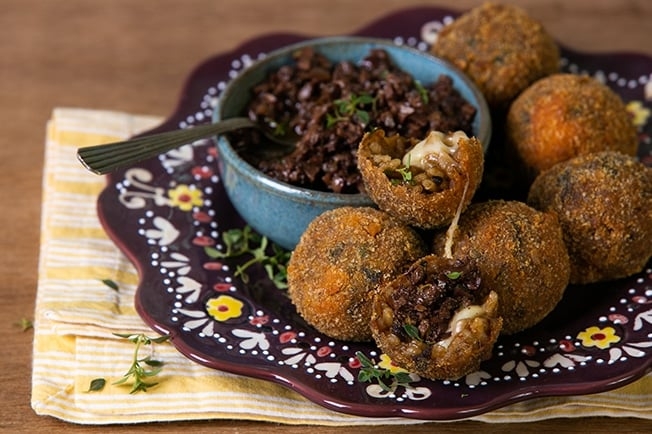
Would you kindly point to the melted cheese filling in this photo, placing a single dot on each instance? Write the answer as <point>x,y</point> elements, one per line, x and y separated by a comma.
<point>458,321</point>
<point>436,143</point>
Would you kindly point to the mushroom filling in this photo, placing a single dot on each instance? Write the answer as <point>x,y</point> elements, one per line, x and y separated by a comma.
<point>433,303</point>
<point>331,105</point>
<point>424,165</point>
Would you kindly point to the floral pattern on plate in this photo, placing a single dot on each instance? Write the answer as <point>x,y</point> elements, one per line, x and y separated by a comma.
<point>164,212</point>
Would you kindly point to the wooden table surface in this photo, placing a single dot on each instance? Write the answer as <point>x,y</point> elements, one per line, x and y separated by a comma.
<point>133,56</point>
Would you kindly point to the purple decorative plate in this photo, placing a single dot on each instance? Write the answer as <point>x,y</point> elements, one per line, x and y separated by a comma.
<point>163,212</point>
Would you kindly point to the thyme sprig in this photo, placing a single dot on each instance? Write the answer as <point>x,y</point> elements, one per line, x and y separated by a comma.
<point>370,372</point>
<point>138,372</point>
<point>25,324</point>
<point>412,331</point>
<point>347,108</point>
<point>246,241</point>
<point>423,92</point>
<point>405,171</point>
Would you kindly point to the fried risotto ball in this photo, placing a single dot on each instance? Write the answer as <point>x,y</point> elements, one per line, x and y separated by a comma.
<point>604,204</point>
<point>566,115</point>
<point>521,255</point>
<point>339,262</point>
<point>431,321</point>
<point>421,182</point>
<point>501,48</point>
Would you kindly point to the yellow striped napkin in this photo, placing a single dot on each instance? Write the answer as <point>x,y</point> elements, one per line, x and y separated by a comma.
<point>76,316</point>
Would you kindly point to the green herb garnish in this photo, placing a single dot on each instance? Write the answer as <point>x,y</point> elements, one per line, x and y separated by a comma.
<point>423,92</point>
<point>355,105</point>
<point>406,172</point>
<point>454,275</point>
<point>111,284</point>
<point>412,331</point>
<point>137,372</point>
<point>280,129</point>
<point>370,372</point>
<point>96,385</point>
<point>25,324</point>
<point>238,242</point>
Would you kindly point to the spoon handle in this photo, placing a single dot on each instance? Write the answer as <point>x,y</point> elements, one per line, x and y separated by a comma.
<point>102,159</point>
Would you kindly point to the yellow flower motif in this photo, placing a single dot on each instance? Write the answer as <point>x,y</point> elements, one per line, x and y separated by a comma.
<point>597,337</point>
<point>185,197</point>
<point>387,364</point>
<point>639,113</point>
<point>224,307</point>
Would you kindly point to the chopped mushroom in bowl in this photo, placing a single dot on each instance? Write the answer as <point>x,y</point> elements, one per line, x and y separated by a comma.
<point>329,93</point>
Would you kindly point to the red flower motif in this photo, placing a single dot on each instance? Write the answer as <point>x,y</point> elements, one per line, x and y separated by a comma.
<point>566,345</point>
<point>202,217</point>
<point>212,151</point>
<point>617,318</point>
<point>323,351</point>
<point>287,337</point>
<point>213,265</point>
<point>640,299</point>
<point>528,350</point>
<point>201,172</point>
<point>354,363</point>
<point>203,241</point>
<point>222,287</point>
<point>259,320</point>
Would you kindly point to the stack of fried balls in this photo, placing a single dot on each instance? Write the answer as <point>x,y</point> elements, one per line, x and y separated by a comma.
<point>433,275</point>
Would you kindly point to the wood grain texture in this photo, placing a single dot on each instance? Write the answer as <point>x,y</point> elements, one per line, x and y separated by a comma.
<point>134,56</point>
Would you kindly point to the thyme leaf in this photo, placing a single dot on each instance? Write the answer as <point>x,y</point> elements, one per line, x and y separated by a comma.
<point>111,284</point>
<point>25,324</point>
<point>423,92</point>
<point>454,275</point>
<point>412,331</point>
<point>96,385</point>
<point>353,106</point>
<point>246,241</point>
<point>386,379</point>
<point>405,171</point>
<point>280,129</point>
<point>137,373</point>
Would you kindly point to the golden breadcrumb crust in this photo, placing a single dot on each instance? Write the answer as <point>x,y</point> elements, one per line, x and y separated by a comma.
<point>521,256</point>
<point>501,48</point>
<point>566,115</point>
<point>471,344</point>
<point>604,204</point>
<point>410,203</point>
<point>340,260</point>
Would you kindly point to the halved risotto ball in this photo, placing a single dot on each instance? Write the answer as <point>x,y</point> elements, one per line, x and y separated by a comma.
<point>421,183</point>
<point>339,262</point>
<point>521,255</point>
<point>432,321</point>
<point>604,204</point>
<point>566,115</point>
<point>501,48</point>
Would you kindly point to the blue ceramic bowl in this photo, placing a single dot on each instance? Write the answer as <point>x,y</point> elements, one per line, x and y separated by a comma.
<point>281,211</point>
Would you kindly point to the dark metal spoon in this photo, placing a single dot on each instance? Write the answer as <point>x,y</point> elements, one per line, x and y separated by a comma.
<point>102,159</point>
